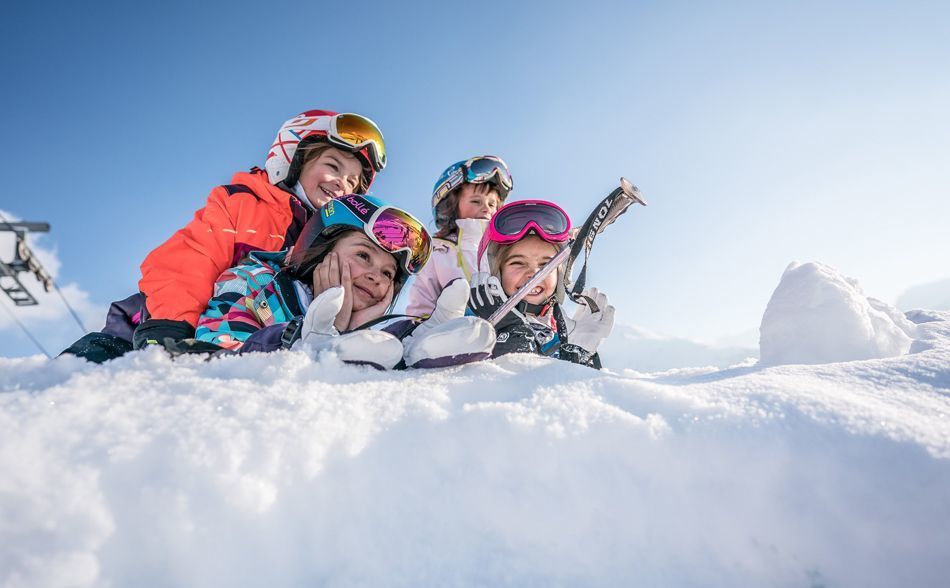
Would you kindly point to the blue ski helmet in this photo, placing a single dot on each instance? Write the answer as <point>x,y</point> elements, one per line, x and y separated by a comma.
<point>482,169</point>
<point>392,229</point>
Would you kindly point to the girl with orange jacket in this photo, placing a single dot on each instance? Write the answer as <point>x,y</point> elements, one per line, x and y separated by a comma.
<point>317,155</point>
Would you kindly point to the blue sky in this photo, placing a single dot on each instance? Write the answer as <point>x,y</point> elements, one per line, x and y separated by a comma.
<point>760,133</point>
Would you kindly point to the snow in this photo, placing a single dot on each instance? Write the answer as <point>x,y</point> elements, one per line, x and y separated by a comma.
<point>278,469</point>
<point>281,470</point>
<point>818,315</point>
<point>646,351</point>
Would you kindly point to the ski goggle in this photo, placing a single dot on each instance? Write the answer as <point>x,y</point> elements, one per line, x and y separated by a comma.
<point>515,220</point>
<point>393,230</point>
<point>401,234</point>
<point>477,170</point>
<point>352,132</point>
<point>357,132</point>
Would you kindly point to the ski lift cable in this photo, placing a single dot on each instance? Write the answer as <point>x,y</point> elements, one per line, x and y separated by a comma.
<point>25,330</point>
<point>69,307</point>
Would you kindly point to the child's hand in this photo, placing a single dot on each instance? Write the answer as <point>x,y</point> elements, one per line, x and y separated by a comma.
<point>487,296</point>
<point>329,273</point>
<point>372,312</point>
<point>588,329</point>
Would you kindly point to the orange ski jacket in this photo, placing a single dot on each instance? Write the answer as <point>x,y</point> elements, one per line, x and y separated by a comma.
<point>247,215</point>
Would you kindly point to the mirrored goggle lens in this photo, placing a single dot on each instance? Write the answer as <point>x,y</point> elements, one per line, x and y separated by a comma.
<point>397,231</point>
<point>514,219</point>
<point>358,131</point>
<point>483,168</point>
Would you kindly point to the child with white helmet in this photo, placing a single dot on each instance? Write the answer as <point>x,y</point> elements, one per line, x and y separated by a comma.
<point>316,156</point>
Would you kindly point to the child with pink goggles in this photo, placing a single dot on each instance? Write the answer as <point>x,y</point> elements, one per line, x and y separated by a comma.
<point>514,220</point>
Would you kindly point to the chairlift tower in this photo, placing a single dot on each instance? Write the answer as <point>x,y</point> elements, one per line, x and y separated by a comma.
<point>23,261</point>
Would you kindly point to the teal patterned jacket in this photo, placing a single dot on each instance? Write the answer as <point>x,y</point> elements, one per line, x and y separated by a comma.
<point>248,298</point>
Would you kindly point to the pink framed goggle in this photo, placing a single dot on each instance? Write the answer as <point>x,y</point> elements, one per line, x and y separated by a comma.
<point>515,220</point>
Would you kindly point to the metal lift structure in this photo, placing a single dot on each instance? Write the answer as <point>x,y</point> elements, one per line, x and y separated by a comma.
<point>23,261</point>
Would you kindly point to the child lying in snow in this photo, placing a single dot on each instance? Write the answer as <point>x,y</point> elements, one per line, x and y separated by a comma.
<point>316,156</point>
<point>345,270</point>
<point>521,238</point>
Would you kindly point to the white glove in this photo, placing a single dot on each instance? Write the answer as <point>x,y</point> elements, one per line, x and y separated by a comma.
<point>448,337</point>
<point>590,329</point>
<point>366,346</point>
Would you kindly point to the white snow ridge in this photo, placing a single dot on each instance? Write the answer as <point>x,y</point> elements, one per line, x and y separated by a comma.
<point>277,470</point>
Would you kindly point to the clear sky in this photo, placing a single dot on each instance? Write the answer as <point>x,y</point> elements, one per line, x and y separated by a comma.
<point>759,132</point>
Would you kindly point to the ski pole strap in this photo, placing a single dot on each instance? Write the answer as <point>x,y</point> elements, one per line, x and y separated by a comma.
<point>607,212</point>
<point>610,208</point>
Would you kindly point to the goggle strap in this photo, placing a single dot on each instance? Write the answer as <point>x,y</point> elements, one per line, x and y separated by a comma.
<point>581,299</point>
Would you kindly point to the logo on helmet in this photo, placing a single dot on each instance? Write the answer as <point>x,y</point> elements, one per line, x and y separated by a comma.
<point>360,206</point>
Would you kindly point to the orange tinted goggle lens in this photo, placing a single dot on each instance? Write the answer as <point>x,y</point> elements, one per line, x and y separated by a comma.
<point>358,131</point>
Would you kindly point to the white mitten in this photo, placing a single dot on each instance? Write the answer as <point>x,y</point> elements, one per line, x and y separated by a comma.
<point>366,346</point>
<point>590,329</point>
<point>450,305</point>
<point>318,322</point>
<point>448,337</point>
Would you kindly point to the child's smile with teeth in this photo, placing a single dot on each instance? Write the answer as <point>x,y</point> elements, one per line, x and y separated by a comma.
<point>521,261</point>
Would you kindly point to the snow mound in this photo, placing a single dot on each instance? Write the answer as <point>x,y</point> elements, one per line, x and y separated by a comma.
<point>817,315</point>
<point>280,470</point>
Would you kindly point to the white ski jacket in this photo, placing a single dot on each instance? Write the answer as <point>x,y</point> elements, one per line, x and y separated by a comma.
<point>448,261</point>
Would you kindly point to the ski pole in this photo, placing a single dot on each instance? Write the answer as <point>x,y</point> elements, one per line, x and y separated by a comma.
<point>606,213</point>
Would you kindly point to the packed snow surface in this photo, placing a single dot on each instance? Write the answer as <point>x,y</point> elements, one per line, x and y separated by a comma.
<point>818,315</point>
<point>278,470</point>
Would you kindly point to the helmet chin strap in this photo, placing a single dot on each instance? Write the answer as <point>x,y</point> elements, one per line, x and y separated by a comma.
<point>525,307</point>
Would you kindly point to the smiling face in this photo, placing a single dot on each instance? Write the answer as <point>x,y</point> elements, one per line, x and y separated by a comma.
<point>331,174</point>
<point>372,269</point>
<point>521,261</point>
<point>477,201</point>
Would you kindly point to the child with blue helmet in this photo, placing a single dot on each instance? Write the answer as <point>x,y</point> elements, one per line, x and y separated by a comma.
<point>463,199</point>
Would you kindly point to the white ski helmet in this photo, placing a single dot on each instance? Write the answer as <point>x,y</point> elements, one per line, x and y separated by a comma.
<point>283,164</point>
